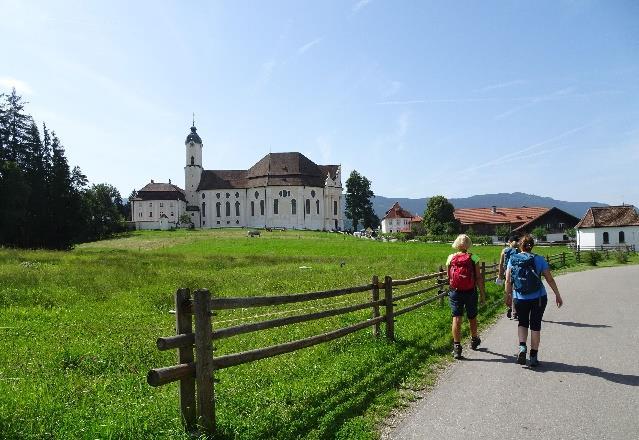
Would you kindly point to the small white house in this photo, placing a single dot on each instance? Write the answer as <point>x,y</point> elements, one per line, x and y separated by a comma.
<point>158,206</point>
<point>609,226</point>
<point>397,219</point>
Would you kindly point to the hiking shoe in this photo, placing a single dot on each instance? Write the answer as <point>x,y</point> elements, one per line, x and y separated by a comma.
<point>474,342</point>
<point>521,357</point>
<point>515,315</point>
<point>509,313</point>
<point>457,351</point>
<point>534,362</point>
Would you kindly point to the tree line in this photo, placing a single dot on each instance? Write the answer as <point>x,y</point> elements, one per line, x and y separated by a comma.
<point>44,203</point>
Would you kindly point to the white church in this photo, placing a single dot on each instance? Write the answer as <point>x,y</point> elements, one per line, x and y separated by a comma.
<point>282,190</point>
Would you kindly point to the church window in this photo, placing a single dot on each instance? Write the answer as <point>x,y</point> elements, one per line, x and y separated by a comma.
<point>161,205</point>
<point>257,194</point>
<point>252,208</point>
<point>622,237</point>
<point>150,204</point>
<point>237,195</point>
<point>172,214</point>
<point>261,207</point>
<point>218,208</point>
<point>150,214</point>
<point>606,238</point>
<point>203,195</point>
<point>203,209</point>
<point>237,222</point>
<point>275,206</point>
<point>313,193</point>
<point>217,195</point>
<point>308,206</point>
<point>228,195</point>
<point>192,160</point>
<point>317,205</point>
<point>228,209</point>
<point>294,207</point>
<point>334,207</point>
<point>237,209</point>
<point>140,215</point>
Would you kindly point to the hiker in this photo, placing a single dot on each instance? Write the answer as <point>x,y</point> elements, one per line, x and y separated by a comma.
<point>523,282</point>
<point>506,253</point>
<point>464,277</point>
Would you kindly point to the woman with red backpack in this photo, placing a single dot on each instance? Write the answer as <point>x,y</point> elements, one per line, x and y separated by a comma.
<point>464,277</point>
<point>523,282</point>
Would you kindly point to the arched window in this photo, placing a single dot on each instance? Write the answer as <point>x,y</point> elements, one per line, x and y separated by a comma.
<point>261,207</point>
<point>294,207</point>
<point>192,160</point>
<point>276,205</point>
<point>622,237</point>
<point>203,209</point>
<point>317,205</point>
<point>218,208</point>
<point>237,209</point>
<point>308,206</point>
<point>334,207</point>
<point>252,209</point>
<point>228,209</point>
<point>606,239</point>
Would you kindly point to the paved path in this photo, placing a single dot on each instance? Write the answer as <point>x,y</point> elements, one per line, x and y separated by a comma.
<point>586,388</point>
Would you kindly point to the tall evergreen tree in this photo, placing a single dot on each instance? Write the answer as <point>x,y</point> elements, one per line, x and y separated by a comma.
<point>37,168</point>
<point>359,207</point>
<point>15,127</point>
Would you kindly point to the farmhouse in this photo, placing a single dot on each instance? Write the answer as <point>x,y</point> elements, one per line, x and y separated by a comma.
<point>609,226</point>
<point>397,219</point>
<point>282,190</point>
<point>158,206</point>
<point>522,220</point>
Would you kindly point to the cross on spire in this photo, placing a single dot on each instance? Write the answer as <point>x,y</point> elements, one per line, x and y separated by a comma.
<point>193,119</point>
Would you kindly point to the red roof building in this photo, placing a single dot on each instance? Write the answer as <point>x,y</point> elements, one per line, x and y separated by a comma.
<point>397,219</point>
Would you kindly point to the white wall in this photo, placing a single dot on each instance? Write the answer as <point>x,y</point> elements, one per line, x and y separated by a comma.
<point>390,225</point>
<point>151,210</point>
<point>594,236</point>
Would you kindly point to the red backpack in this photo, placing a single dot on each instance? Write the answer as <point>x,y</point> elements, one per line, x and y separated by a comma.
<point>461,272</point>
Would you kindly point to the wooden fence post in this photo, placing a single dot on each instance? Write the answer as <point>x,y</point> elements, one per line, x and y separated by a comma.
<point>390,319</point>
<point>204,361</point>
<point>483,271</point>
<point>563,258</point>
<point>440,281</point>
<point>184,325</point>
<point>375,283</point>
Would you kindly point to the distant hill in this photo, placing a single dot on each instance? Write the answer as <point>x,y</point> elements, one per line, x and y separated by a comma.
<point>382,204</point>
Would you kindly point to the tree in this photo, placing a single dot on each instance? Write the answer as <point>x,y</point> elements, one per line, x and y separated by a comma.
<point>101,204</point>
<point>359,207</point>
<point>439,216</point>
<point>502,231</point>
<point>571,233</point>
<point>184,219</point>
<point>539,233</point>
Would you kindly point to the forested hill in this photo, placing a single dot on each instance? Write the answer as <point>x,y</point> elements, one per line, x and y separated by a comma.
<point>504,200</point>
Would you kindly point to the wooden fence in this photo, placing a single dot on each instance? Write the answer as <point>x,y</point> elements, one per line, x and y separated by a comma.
<point>195,332</point>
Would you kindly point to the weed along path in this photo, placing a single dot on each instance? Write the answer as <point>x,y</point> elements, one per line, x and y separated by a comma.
<point>587,386</point>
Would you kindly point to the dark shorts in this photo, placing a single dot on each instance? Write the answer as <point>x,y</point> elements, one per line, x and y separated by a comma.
<point>463,299</point>
<point>530,312</point>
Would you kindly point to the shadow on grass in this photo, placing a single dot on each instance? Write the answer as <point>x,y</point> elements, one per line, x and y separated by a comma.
<point>578,324</point>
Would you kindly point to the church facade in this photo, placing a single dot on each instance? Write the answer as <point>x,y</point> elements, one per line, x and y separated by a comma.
<point>281,190</point>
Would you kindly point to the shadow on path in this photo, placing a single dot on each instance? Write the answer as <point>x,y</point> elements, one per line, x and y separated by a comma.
<point>547,366</point>
<point>578,324</point>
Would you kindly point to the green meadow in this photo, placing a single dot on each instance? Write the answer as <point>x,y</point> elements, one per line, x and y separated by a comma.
<point>78,331</point>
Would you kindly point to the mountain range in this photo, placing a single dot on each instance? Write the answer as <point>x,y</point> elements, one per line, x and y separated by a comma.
<point>382,204</point>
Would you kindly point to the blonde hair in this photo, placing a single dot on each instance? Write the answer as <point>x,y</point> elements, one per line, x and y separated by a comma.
<point>462,242</point>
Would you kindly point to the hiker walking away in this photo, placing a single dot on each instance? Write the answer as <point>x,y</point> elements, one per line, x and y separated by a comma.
<point>464,278</point>
<point>523,282</point>
<point>506,253</point>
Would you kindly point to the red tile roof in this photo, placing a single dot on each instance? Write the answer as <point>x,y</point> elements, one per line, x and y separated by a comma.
<point>397,211</point>
<point>608,216</point>
<point>514,216</point>
<point>161,191</point>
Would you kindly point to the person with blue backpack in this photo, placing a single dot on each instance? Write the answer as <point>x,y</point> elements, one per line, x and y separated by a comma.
<point>464,278</point>
<point>523,282</point>
<point>506,253</point>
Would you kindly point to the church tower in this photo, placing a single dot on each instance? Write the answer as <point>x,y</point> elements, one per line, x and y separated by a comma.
<point>193,165</point>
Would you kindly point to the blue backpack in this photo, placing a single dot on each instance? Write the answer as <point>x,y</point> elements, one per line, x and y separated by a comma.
<point>509,252</point>
<point>523,273</point>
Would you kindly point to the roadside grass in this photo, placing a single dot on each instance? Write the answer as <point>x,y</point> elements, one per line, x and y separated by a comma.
<point>78,332</point>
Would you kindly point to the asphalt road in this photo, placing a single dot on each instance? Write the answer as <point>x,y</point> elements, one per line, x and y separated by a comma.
<point>587,386</point>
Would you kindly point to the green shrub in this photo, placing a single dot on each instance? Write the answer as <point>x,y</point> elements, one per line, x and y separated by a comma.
<point>621,257</point>
<point>593,257</point>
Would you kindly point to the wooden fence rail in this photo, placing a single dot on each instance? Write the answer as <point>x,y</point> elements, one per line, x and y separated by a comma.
<point>197,364</point>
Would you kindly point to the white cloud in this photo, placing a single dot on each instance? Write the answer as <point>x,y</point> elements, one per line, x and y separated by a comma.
<point>361,4</point>
<point>302,50</point>
<point>20,86</point>
<point>516,82</point>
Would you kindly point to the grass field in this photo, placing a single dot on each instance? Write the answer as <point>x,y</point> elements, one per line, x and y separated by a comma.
<point>78,334</point>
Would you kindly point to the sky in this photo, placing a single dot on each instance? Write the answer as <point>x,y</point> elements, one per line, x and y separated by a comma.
<point>421,97</point>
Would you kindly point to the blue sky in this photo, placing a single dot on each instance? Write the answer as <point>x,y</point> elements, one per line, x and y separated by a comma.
<point>421,97</point>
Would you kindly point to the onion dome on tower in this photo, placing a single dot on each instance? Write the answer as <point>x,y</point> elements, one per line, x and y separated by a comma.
<point>193,136</point>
